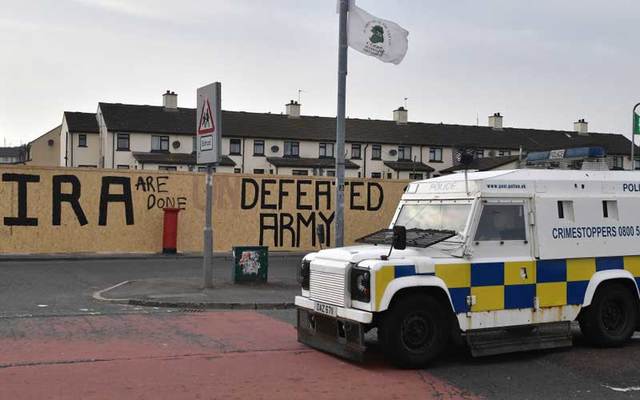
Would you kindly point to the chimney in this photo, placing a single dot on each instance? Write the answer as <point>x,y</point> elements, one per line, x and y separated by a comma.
<point>170,100</point>
<point>401,116</point>
<point>495,121</point>
<point>581,126</point>
<point>293,109</point>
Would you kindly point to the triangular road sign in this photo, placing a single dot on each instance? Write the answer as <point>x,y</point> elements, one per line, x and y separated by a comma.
<point>206,124</point>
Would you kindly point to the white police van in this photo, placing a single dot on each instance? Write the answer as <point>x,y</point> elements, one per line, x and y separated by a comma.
<point>508,259</point>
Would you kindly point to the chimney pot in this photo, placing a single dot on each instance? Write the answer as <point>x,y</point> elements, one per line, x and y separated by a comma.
<point>293,109</point>
<point>495,121</point>
<point>401,116</point>
<point>581,127</point>
<point>170,100</point>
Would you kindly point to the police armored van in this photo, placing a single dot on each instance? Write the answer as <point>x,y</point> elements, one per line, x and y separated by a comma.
<point>505,260</point>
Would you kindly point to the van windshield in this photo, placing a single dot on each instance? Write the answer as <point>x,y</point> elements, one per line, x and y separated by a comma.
<point>434,216</point>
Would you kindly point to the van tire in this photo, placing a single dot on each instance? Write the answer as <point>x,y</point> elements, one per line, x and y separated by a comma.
<point>414,331</point>
<point>611,318</point>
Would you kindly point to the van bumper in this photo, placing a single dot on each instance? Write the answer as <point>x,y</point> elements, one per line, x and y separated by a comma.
<point>343,337</point>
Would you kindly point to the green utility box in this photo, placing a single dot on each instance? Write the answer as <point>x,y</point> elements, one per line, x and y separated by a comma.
<point>250,264</point>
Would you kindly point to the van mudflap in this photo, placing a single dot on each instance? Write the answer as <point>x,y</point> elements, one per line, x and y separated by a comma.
<point>332,335</point>
<point>486,342</point>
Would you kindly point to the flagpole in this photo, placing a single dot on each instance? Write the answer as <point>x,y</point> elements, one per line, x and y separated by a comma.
<point>340,123</point>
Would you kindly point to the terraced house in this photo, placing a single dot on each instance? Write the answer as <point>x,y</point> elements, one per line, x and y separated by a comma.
<point>162,137</point>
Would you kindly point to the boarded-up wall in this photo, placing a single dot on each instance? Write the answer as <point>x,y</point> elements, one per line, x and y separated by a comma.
<point>51,210</point>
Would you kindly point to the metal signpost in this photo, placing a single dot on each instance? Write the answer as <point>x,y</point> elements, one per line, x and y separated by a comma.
<point>208,145</point>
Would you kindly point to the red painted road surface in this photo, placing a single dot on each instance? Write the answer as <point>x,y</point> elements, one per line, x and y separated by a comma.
<point>214,355</point>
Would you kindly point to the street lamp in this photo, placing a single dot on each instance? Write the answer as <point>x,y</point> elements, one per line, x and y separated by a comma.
<point>635,130</point>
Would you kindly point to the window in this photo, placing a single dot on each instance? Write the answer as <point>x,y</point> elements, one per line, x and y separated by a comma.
<point>565,210</point>
<point>435,154</point>
<point>617,162</point>
<point>235,147</point>
<point>159,143</point>
<point>503,153</point>
<point>434,216</point>
<point>479,153</point>
<point>376,152</point>
<point>610,209</point>
<point>121,166</point>
<point>636,164</point>
<point>331,172</point>
<point>389,175</point>
<point>404,152</point>
<point>168,168</point>
<point>258,171</point>
<point>82,140</point>
<point>123,142</point>
<point>415,176</point>
<point>376,175</point>
<point>326,150</point>
<point>236,170</point>
<point>86,166</point>
<point>291,149</point>
<point>356,151</point>
<point>299,172</point>
<point>258,147</point>
<point>501,222</point>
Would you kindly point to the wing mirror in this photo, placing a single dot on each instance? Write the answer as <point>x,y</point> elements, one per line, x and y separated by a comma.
<point>398,241</point>
<point>399,237</point>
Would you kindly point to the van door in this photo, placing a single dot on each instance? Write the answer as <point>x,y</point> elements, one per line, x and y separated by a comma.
<point>503,269</point>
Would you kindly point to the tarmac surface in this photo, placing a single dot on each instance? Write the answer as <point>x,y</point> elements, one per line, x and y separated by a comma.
<point>58,342</point>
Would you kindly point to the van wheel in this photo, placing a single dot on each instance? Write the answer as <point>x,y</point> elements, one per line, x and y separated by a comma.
<point>414,331</point>
<point>612,316</point>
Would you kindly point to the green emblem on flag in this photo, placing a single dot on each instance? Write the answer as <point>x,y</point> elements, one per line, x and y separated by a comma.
<point>636,124</point>
<point>377,34</point>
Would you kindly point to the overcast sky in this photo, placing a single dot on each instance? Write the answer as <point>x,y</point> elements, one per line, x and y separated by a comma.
<point>542,64</point>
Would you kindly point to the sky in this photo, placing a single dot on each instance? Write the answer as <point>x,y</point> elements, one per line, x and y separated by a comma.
<point>542,64</point>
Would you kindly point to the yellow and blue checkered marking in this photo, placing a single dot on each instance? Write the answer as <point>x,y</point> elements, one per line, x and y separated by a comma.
<point>388,273</point>
<point>515,285</point>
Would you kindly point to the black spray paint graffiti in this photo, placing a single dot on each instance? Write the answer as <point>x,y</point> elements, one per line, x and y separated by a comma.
<point>72,198</point>
<point>313,207</point>
<point>155,186</point>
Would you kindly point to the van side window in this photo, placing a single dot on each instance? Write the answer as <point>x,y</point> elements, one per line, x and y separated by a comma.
<point>501,222</point>
<point>610,209</point>
<point>565,210</point>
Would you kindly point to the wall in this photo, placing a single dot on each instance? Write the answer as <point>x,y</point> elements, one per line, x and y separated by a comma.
<point>41,153</point>
<point>49,210</point>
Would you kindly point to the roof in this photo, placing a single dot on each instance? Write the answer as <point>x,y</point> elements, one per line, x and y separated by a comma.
<point>157,119</point>
<point>408,166</point>
<point>14,152</point>
<point>483,164</point>
<point>81,122</point>
<point>297,162</point>
<point>175,158</point>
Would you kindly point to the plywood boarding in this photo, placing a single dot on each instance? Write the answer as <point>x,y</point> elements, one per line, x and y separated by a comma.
<point>276,211</point>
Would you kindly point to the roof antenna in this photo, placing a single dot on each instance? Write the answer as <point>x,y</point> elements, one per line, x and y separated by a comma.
<point>477,119</point>
<point>299,92</point>
<point>465,158</point>
<point>405,102</point>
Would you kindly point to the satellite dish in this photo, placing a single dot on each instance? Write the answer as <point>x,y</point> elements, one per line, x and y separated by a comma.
<point>393,152</point>
<point>176,144</point>
<point>275,149</point>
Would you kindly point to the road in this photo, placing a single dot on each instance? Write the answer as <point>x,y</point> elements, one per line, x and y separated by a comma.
<point>76,347</point>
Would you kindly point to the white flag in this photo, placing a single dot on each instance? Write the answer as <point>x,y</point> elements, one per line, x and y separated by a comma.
<point>376,37</point>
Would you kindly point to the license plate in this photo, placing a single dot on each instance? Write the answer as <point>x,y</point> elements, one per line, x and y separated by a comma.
<point>326,309</point>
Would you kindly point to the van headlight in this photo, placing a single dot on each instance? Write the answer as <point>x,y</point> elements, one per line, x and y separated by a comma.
<point>303,274</point>
<point>360,285</point>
